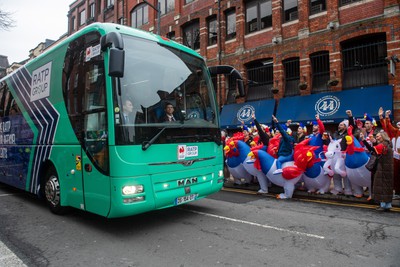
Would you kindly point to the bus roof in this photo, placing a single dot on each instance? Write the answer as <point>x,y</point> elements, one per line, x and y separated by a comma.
<point>105,28</point>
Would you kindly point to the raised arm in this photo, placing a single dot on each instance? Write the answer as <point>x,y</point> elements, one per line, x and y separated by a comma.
<point>351,120</point>
<point>321,126</point>
<point>390,129</point>
<point>263,136</point>
<point>284,134</point>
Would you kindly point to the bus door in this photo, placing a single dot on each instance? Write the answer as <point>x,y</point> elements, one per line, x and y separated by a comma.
<point>85,99</point>
<point>95,162</point>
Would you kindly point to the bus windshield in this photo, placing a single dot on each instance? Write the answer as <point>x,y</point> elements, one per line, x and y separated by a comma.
<point>165,96</point>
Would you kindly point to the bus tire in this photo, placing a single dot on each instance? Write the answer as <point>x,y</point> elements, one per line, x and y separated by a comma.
<point>52,192</point>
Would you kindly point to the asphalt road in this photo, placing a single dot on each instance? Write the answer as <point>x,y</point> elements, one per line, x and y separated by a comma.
<point>226,229</point>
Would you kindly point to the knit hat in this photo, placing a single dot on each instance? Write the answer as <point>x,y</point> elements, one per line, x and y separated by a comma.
<point>369,118</point>
<point>301,125</point>
<point>287,129</point>
<point>346,123</point>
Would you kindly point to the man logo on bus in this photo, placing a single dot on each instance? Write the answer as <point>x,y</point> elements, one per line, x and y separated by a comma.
<point>244,114</point>
<point>327,105</point>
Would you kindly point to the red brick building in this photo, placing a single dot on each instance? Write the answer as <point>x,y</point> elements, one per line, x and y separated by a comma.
<point>284,48</point>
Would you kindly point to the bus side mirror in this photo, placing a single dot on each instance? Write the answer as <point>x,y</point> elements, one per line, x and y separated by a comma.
<point>116,63</point>
<point>225,69</point>
<point>115,43</point>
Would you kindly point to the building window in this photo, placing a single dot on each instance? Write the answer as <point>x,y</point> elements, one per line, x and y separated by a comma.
<point>364,61</point>
<point>171,35</point>
<point>140,15</point>
<point>188,1</point>
<point>82,17</point>
<point>92,10</point>
<point>73,24</point>
<point>191,35</point>
<point>317,6</point>
<point>212,30</point>
<point>290,10</point>
<point>347,2</point>
<point>109,3</point>
<point>258,15</point>
<point>166,6</point>
<point>230,17</point>
<point>320,71</point>
<point>292,76</point>
<point>231,88</point>
<point>99,7</point>
<point>260,77</point>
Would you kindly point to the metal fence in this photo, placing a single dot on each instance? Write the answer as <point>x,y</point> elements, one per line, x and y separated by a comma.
<point>319,71</point>
<point>260,82</point>
<point>364,64</point>
<point>292,76</point>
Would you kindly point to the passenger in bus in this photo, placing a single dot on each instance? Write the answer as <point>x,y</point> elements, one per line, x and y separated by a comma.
<point>169,113</point>
<point>127,109</point>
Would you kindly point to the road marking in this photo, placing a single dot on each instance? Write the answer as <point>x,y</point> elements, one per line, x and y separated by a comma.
<point>8,258</point>
<point>255,224</point>
<point>6,195</point>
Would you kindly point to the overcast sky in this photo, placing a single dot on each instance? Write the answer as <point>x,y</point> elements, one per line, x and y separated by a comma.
<point>35,21</point>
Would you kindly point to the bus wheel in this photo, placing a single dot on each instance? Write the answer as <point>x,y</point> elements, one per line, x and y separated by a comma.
<point>52,192</point>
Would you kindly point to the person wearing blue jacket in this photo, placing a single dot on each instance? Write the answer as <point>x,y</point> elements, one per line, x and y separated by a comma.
<point>285,150</point>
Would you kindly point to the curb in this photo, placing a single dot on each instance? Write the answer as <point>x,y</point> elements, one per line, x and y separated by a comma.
<point>274,189</point>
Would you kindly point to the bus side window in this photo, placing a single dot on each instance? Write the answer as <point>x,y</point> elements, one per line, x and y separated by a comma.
<point>3,91</point>
<point>84,95</point>
<point>14,108</point>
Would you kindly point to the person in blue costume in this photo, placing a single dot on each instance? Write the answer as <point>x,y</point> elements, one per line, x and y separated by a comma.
<point>285,150</point>
<point>317,136</point>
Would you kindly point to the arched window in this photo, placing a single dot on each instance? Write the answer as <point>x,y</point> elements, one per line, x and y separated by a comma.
<point>320,71</point>
<point>292,76</point>
<point>364,61</point>
<point>260,76</point>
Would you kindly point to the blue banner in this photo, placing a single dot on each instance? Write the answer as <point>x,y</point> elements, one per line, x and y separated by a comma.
<point>332,106</point>
<point>232,115</point>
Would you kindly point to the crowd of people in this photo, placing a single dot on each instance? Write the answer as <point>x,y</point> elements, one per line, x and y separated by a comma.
<point>380,139</point>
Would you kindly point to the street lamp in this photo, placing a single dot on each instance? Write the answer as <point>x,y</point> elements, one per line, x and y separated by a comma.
<point>158,13</point>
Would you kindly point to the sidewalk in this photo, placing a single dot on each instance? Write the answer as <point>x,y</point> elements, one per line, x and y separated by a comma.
<point>274,189</point>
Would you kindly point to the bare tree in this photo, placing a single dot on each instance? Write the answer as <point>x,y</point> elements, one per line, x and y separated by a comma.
<point>6,20</point>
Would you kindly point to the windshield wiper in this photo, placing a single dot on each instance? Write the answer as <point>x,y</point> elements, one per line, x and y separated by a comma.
<point>200,137</point>
<point>146,145</point>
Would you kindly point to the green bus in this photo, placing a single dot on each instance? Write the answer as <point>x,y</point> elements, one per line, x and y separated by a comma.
<point>82,124</point>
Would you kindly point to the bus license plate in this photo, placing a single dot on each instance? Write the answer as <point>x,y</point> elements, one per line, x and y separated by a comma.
<point>184,199</point>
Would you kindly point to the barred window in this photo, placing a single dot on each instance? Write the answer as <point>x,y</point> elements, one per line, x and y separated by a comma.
<point>292,76</point>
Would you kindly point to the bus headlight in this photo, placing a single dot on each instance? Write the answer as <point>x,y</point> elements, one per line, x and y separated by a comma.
<point>132,189</point>
<point>220,173</point>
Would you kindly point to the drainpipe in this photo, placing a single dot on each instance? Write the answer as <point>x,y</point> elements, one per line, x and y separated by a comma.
<point>219,49</point>
<point>123,12</point>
